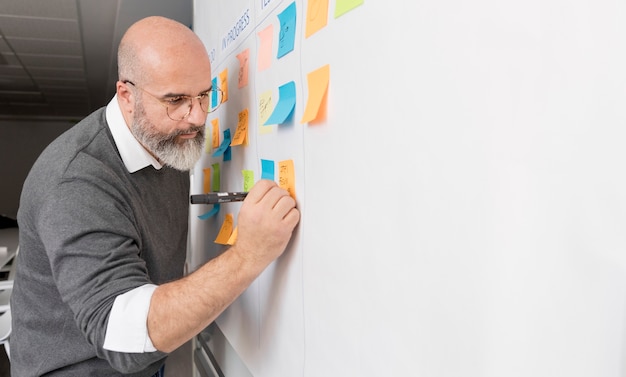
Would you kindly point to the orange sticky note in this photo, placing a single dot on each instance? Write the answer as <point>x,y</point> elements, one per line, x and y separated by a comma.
<point>243,57</point>
<point>232,238</point>
<point>318,87</point>
<point>224,84</point>
<point>226,230</point>
<point>286,177</point>
<point>241,134</point>
<point>265,47</point>
<point>215,132</point>
<point>206,186</point>
<point>316,16</point>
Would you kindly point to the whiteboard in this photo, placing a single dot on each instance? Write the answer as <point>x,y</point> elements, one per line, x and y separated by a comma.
<point>463,197</point>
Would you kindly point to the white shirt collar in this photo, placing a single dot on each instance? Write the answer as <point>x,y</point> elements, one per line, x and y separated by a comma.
<point>134,155</point>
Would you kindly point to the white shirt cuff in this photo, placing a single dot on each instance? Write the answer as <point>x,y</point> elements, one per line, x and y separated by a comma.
<point>127,330</point>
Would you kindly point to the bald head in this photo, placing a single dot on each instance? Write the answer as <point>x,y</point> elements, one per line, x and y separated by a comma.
<point>155,48</point>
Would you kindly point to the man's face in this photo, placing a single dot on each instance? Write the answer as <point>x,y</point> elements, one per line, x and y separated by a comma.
<point>179,148</point>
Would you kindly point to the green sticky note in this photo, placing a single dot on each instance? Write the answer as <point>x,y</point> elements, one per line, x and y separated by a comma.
<point>344,6</point>
<point>215,179</point>
<point>248,179</point>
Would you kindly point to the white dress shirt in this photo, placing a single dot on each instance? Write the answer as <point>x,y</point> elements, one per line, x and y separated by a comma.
<point>127,330</point>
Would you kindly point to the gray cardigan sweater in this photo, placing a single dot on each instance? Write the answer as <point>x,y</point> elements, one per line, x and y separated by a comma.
<point>90,231</point>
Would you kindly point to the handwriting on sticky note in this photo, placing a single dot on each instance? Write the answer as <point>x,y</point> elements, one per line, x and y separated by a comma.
<point>248,179</point>
<point>286,104</point>
<point>224,85</point>
<point>215,133</point>
<point>265,110</point>
<point>286,177</point>
<point>287,34</point>
<point>241,134</point>
<point>226,230</point>
<point>316,16</point>
<point>244,58</point>
<point>264,56</point>
<point>318,87</point>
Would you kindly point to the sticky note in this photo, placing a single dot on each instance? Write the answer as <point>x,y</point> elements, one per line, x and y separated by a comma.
<point>210,213</point>
<point>226,230</point>
<point>344,6</point>
<point>264,56</point>
<point>318,87</point>
<point>214,98</point>
<point>267,169</point>
<point>228,154</point>
<point>248,179</point>
<point>286,177</point>
<point>233,237</point>
<point>244,58</point>
<point>241,133</point>
<point>215,133</point>
<point>225,144</point>
<point>215,177</point>
<point>316,16</point>
<point>223,85</point>
<point>206,182</point>
<point>287,34</point>
<point>286,104</point>
<point>265,110</point>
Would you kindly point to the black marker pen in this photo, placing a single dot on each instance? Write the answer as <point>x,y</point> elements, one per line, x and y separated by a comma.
<point>218,197</point>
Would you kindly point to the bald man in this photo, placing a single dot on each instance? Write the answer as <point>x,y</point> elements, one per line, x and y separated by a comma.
<point>99,288</point>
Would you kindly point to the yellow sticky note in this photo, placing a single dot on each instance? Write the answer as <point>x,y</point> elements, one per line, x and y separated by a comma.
<point>286,177</point>
<point>215,132</point>
<point>265,47</point>
<point>244,58</point>
<point>241,134</point>
<point>232,238</point>
<point>226,230</point>
<point>344,6</point>
<point>248,179</point>
<point>318,87</point>
<point>265,110</point>
<point>316,16</point>
<point>224,84</point>
<point>206,186</point>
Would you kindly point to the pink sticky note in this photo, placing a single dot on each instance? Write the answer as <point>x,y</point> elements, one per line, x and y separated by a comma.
<point>265,47</point>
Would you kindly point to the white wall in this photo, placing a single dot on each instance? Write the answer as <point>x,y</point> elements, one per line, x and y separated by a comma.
<point>464,203</point>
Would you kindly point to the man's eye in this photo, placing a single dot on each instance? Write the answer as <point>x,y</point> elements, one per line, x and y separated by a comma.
<point>174,101</point>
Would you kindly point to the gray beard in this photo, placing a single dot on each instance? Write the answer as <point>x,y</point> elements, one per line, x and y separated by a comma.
<point>180,156</point>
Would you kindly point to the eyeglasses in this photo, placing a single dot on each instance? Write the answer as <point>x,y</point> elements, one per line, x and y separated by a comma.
<point>179,107</point>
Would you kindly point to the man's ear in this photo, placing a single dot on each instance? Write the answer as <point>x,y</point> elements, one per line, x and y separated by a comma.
<point>125,97</point>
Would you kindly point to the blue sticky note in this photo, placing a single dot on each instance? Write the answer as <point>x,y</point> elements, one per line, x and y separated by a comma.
<point>287,34</point>
<point>267,169</point>
<point>228,154</point>
<point>211,213</point>
<point>214,93</point>
<point>225,144</point>
<point>286,104</point>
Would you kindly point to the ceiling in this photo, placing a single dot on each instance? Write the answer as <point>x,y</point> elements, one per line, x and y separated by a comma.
<point>58,57</point>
